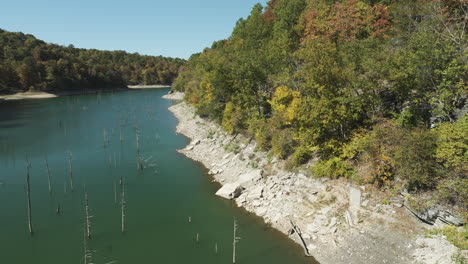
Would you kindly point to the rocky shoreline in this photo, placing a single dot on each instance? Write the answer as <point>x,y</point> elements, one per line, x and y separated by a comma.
<point>339,222</point>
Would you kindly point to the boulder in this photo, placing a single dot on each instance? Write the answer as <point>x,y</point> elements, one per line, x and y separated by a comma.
<point>230,190</point>
<point>250,176</point>
<point>438,214</point>
<point>256,193</point>
<point>365,203</point>
<point>354,197</point>
<point>261,211</point>
<point>312,228</point>
<point>311,247</point>
<point>256,203</point>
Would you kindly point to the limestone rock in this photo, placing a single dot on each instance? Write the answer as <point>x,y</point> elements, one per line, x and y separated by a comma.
<point>312,228</point>
<point>256,193</point>
<point>250,176</point>
<point>438,214</point>
<point>230,191</point>
<point>261,211</point>
<point>354,197</point>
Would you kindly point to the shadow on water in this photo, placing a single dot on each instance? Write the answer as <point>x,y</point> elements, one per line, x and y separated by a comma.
<point>16,111</point>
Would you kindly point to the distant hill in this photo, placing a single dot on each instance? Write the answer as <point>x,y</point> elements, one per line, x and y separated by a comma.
<point>27,63</point>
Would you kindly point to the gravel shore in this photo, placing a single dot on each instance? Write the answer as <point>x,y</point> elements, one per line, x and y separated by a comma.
<point>27,95</point>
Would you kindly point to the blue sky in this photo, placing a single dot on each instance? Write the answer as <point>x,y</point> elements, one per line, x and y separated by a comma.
<point>175,28</point>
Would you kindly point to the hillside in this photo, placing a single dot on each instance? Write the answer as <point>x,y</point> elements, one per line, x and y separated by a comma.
<point>27,63</point>
<point>371,91</point>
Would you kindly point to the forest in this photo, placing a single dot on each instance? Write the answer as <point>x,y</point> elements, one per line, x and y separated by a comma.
<point>370,90</point>
<point>30,64</point>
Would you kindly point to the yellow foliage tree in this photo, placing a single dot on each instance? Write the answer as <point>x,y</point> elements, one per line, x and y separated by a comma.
<point>285,103</point>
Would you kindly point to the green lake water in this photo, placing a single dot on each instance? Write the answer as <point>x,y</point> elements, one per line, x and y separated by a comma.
<point>159,200</point>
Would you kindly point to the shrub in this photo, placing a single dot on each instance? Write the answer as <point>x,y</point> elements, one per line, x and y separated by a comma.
<point>282,143</point>
<point>415,161</point>
<point>261,131</point>
<point>458,238</point>
<point>452,145</point>
<point>227,116</point>
<point>454,191</point>
<point>233,119</point>
<point>372,151</point>
<point>300,156</point>
<point>332,168</point>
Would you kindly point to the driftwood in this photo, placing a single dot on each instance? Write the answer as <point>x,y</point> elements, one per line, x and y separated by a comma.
<point>296,230</point>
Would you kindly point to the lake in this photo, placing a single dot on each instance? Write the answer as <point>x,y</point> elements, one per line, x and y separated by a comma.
<point>168,204</point>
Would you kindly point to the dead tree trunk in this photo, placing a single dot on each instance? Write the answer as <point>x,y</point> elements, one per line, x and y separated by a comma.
<point>137,141</point>
<point>87,254</point>
<point>48,174</point>
<point>298,232</point>
<point>138,157</point>
<point>70,168</point>
<point>234,241</point>
<point>105,139</point>
<point>88,222</point>
<point>115,193</point>
<point>28,193</point>
<point>123,207</point>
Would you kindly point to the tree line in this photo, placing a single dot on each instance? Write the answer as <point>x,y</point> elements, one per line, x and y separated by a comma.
<point>27,63</point>
<point>371,90</point>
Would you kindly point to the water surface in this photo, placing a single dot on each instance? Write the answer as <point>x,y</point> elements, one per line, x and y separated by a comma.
<point>100,133</point>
